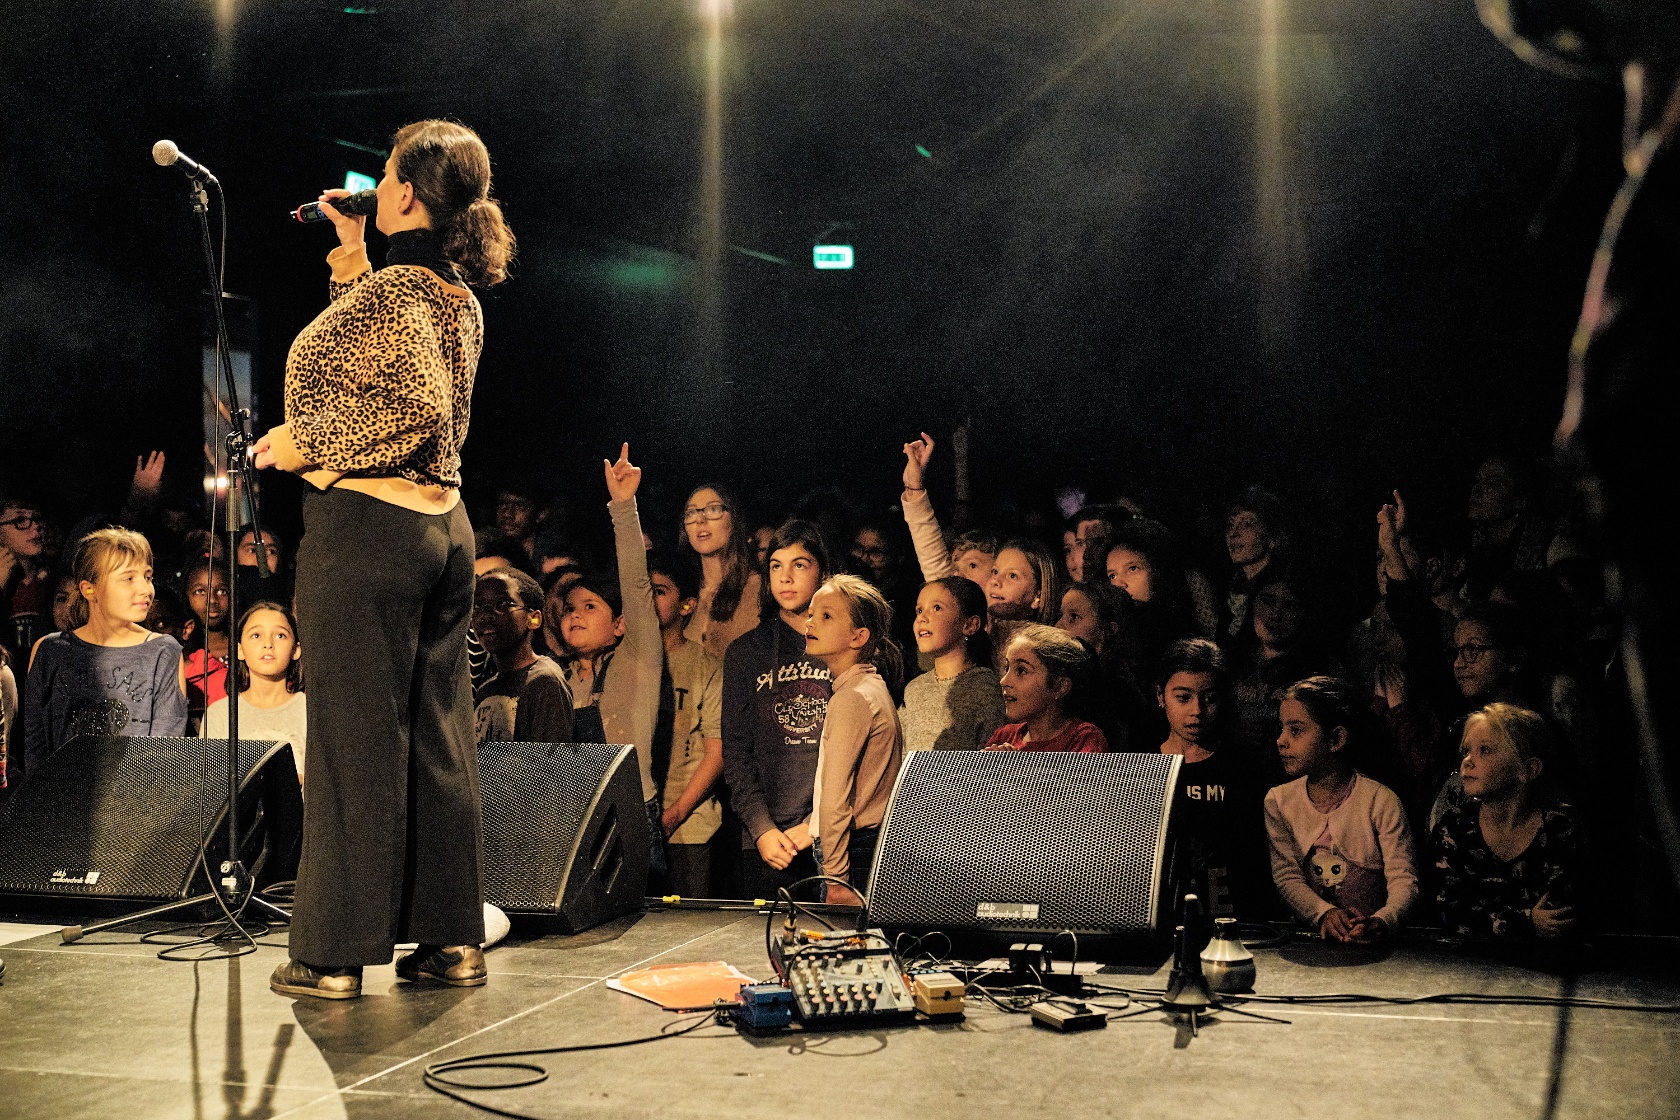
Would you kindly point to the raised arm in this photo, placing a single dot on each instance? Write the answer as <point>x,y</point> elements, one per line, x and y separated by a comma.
<point>931,552</point>
<point>640,654</point>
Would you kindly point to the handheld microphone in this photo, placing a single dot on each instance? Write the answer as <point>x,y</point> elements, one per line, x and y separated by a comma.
<point>361,203</point>
<point>166,154</point>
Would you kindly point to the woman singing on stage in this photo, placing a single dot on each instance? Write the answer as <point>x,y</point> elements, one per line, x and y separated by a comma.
<point>377,396</point>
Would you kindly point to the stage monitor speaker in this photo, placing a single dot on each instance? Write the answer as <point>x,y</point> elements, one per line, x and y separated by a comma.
<point>125,819</point>
<point>565,830</point>
<point>1028,842</point>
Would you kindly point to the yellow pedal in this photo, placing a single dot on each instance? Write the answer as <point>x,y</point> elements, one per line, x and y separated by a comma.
<point>937,994</point>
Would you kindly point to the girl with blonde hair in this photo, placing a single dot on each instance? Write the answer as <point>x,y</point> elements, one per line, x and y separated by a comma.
<point>862,745</point>
<point>108,674</point>
<point>1508,858</point>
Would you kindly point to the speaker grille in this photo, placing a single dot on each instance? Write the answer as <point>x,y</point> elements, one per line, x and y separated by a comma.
<point>1020,840</point>
<point>118,817</point>
<point>536,800</point>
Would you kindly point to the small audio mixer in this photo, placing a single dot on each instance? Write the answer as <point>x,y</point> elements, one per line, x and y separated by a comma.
<point>845,978</point>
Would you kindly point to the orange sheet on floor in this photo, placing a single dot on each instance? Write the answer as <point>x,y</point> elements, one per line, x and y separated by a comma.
<point>683,987</point>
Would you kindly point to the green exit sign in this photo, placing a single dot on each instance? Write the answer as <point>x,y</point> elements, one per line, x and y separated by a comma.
<point>355,181</point>
<point>831,256</point>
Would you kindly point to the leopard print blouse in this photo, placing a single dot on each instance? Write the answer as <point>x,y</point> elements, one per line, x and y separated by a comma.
<point>380,384</point>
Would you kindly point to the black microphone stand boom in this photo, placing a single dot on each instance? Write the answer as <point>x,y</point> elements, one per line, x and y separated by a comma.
<point>235,880</point>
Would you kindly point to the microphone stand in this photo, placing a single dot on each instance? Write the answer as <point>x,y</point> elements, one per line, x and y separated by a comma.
<point>1188,998</point>
<point>236,882</point>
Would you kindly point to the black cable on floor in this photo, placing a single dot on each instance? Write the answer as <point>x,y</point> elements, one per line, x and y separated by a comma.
<point>438,1076</point>
<point>1470,998</point>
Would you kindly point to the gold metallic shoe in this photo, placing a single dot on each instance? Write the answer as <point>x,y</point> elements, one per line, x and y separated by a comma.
<point>294,978</point>
<point>459,966</point>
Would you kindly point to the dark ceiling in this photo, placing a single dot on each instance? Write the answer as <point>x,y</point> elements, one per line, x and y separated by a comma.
<point>1166,246</point>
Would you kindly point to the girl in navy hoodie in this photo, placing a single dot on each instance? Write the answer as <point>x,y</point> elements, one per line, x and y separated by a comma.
<point>774,699</point>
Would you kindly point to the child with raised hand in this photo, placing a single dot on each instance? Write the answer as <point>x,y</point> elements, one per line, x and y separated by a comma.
<point>1045,673</point>
<point>774,698</point>
<point>957,704</point>
<point>110,675</point>
<point>612,630</point>
<point>970,555</point>
<point>862,745</point>
<point>1508,860</point>
<point>1342,855</point>
<point>268,677</point>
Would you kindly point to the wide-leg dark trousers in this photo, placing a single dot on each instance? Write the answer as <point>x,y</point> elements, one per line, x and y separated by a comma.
<point>392,826</point>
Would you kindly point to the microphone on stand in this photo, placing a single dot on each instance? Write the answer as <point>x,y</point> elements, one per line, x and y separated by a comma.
<point>361,203</point>
<point>1187,986</point>
<point>166,154</point>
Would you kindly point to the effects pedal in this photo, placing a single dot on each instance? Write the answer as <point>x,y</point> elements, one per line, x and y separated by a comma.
<point>938,995</point>
<point>844,979</point>
<point>764,1007</point>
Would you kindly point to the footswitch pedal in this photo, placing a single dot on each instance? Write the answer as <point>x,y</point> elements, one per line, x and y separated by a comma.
<point>1068,1017</point>
<point>845,978</point>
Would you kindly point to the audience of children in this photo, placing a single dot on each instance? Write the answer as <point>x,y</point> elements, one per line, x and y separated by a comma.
<point>617,658</point>
<point>209,648</point>
<point>26,574</point>
<point>1509,859</point>
<point>1101,616</point>
<point>1047,678</point>
<point>729,600</point>
<point>268,677</point>
<point>1216,805</point>
<point>270,583</point>
<point>757,685</point>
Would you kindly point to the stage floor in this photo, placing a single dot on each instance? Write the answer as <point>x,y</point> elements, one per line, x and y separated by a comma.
<point>104,1029</point>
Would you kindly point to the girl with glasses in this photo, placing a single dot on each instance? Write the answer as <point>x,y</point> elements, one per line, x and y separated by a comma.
<point>729,585</point>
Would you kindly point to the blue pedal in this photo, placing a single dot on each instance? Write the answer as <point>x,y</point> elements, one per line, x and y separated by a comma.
<point>765,1007</point>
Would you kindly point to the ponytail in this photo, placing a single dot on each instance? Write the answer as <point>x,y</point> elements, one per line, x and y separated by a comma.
<point>449,168</point>
<point>870,611</point>
<point>478,242</point>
